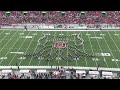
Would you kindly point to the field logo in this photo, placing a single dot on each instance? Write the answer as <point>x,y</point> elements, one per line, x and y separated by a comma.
<point>60,44</point>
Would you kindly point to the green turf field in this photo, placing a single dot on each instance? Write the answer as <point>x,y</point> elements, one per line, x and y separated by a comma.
<point>105,45</point>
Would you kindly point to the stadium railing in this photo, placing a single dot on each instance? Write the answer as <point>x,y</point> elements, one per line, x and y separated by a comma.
<point>62,26</point>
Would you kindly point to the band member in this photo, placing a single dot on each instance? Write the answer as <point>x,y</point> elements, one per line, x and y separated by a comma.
<point>25,27</point>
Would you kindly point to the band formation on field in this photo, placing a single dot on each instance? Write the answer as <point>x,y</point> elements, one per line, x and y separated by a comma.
<point>63,48</point>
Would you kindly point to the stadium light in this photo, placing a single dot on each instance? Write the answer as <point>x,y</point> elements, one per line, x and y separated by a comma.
<point>63,12</point>
<point>82,12</point>
<point>24,12</point>
<point>8,13</point>
<point>103,12</point>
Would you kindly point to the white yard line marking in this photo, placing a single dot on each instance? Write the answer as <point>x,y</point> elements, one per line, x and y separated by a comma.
<point>34,51</point>
<point>8,41</point>
<point>119,39</point>
<point>3,38</point>
<point>59,51</point>
<point>52,46</point>
<point>62,30</point>
<point>32,56</point>
<point>100,49</point>
<point>115,45</point>
<point>67,48</point>
<point>54,67</point>
<point>11,47</point>
<point>27,48</point>
<point>18,49</point>
<point>2,32</point>
<point>109,49</point>
<point>92,49</point>
<point>75,43</point>
<point>84,51</point>
<point>43,44</point>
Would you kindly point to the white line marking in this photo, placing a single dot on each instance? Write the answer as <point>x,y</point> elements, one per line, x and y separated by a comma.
<point>84,51</point>
<point>101,50</point>
<point>43,44</point>
<point>52,47</point>
<point>119,39</point>
<point>54,67</point>
<point>67,48</point>
<point>7,43</point>
<point>27,48</point>
<point>92,49</point>
<point>2,32</point>
<point>18,50</point>
<point>4,38</point>
<point>115,45</point>
<point>34,51</point>
<point>109,49</point>
<point>12,46</point>
<point>75,43</point>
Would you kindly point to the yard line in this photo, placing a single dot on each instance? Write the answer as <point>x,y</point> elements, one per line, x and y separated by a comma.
<point>59,51</point>
<point>84,51</point>
<point>119,38</point>
<point>40,59</point>
<point>100,49</point>
<point>18,49</point>
<point>7,43</point>
<point>9,40</point>
<point>43,44</point>
<point>52,46</point>
<point>35,50</point>
<point>67,48</point>
<point>114,43</point>
<point>2,32</point>
<point>4,37</point>
<point>11,47</point>
<point>32,56</point>
<point>110,51</point>
<point>27,48</point>
<point>75,43</point>
<point>92,49</point>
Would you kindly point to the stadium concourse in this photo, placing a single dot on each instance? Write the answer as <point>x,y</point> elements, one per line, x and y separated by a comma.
<point>56,53</point>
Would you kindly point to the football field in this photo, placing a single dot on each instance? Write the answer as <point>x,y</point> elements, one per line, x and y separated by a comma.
<point>63,48</point>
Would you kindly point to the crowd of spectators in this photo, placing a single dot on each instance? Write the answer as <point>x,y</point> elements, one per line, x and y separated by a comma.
<point>50,74</point>
<point>56,17</point>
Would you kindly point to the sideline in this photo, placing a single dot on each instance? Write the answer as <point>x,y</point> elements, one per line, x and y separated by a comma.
<point>54,67</point>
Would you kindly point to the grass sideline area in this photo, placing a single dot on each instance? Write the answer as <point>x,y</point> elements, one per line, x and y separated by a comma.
<point>105,45</point>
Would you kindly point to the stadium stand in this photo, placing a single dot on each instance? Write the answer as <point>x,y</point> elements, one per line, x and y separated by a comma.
<point>59,17</point>
<point>73,17</point>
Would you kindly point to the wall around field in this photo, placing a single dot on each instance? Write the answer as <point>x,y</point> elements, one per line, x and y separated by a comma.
<point>62,26</point>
